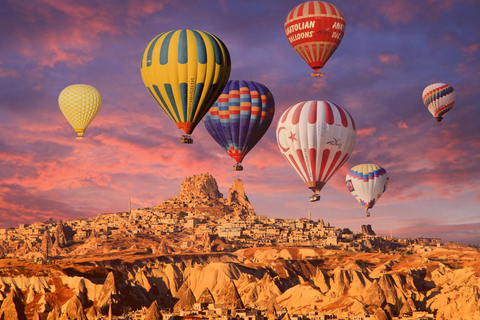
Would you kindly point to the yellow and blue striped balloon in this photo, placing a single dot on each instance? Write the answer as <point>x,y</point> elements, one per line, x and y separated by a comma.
<point>185,71</point>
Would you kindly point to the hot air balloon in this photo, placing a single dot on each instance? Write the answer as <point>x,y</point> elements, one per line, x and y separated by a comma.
<point>80,103</point>
<point>316,138</point>
<point>240,117</point>
<point>185,71</point>
<point>439,99</point>
<point>367,183</point>
<point>315,29</point>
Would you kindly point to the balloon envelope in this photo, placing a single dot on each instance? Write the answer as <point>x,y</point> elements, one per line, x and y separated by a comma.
<point>240,117</point>
<point>80,104</point>
<point>439,99</point>
<point>315,29</point>
<point>185,71</point>
<point>367,183</point>
<point>316,138</point>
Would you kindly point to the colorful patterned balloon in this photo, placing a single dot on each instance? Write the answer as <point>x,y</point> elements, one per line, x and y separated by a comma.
<point>185,71</point>
<point>80,104</point>
<point>240,117</point>
<point>367,183</point>
<point>316,138</point>
<point>439,99</point>
<point>315,29</point>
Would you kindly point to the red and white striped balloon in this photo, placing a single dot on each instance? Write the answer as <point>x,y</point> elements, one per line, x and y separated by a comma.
<point>316,138</point>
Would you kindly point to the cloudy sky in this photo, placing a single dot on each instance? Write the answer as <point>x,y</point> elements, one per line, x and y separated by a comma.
<point>390,52</point>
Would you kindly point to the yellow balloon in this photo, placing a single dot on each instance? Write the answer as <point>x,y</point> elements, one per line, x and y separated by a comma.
<point>80,104</point>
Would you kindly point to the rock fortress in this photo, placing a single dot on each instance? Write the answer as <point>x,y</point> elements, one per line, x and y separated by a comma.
<point>199,255</point>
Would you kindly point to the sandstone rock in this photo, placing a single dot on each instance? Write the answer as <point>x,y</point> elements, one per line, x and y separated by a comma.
<point>374,295</point>
<point>92,313</point>
<point>55,314</point>
<point>12,307</point>
<point>239,200</point>
<point>153,313</point>
<point>109,290</point>
<point>36,315</point>
<point>202,186</point>
<point>321,281</point>
<point>186,302</point>
<point>367,229</point>
<point>380,314</point>
<point>73,309</point>
<point>229,297</point>
<point>206,297</point>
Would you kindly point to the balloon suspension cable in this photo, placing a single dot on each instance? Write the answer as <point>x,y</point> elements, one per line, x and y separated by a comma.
<point>238,167</point>
<point>186,139</point>
<point>314,74</point>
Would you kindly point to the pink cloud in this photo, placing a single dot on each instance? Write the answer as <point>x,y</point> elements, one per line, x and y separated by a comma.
<point>366,132</point>
<point>388,58</point>
<point>471,48</point>
<point>402,125</point>
<point>8,73</point>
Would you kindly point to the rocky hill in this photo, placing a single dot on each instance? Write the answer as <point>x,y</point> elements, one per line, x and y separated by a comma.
<point>177,270</point>
<point>200,194</point>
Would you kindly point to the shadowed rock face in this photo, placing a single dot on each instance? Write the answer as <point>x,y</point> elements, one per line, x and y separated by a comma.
<point>186,302</point>
<point>367,229</point>
<point>206,297</point>
<point>12,307</point>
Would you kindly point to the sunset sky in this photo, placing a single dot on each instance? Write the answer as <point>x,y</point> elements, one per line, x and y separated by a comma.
<point>390,52</point>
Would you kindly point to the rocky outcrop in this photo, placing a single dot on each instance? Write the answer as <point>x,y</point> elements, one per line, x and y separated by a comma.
<point>55,314</point>
<point>108,292</point>
<point>73,309</point>
<point>199,193</point>
<point>12,307</point>
<point>153,313</point>
<point>229,296</point>
<point>367,229</point>
<point>239,200</point>
<point>206,297</point>
<point>92,314</point>
<point>186,302</point>
<point>201,186</point>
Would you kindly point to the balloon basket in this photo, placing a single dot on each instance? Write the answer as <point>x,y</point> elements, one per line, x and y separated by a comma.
<point>314,198</point>
<point>368,213</point>
<point>238,167</point>
<point>186,139</point>
<point>439,123</point>
<point>317,74</point>
<point>79,137</point>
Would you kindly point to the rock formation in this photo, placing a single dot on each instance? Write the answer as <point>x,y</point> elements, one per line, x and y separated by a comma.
<point>73,310</point>
<point>153,313</point>
<point>12,307</point>
<point>239,200</point>
<point>229,296</point>
<point>367,229</point>
<point>186,302</point>
<point>206,297</point>
<point>107,293</point>
<point>200,194</point>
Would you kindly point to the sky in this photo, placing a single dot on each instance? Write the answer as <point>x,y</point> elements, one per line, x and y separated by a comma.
<point>390,52</point>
